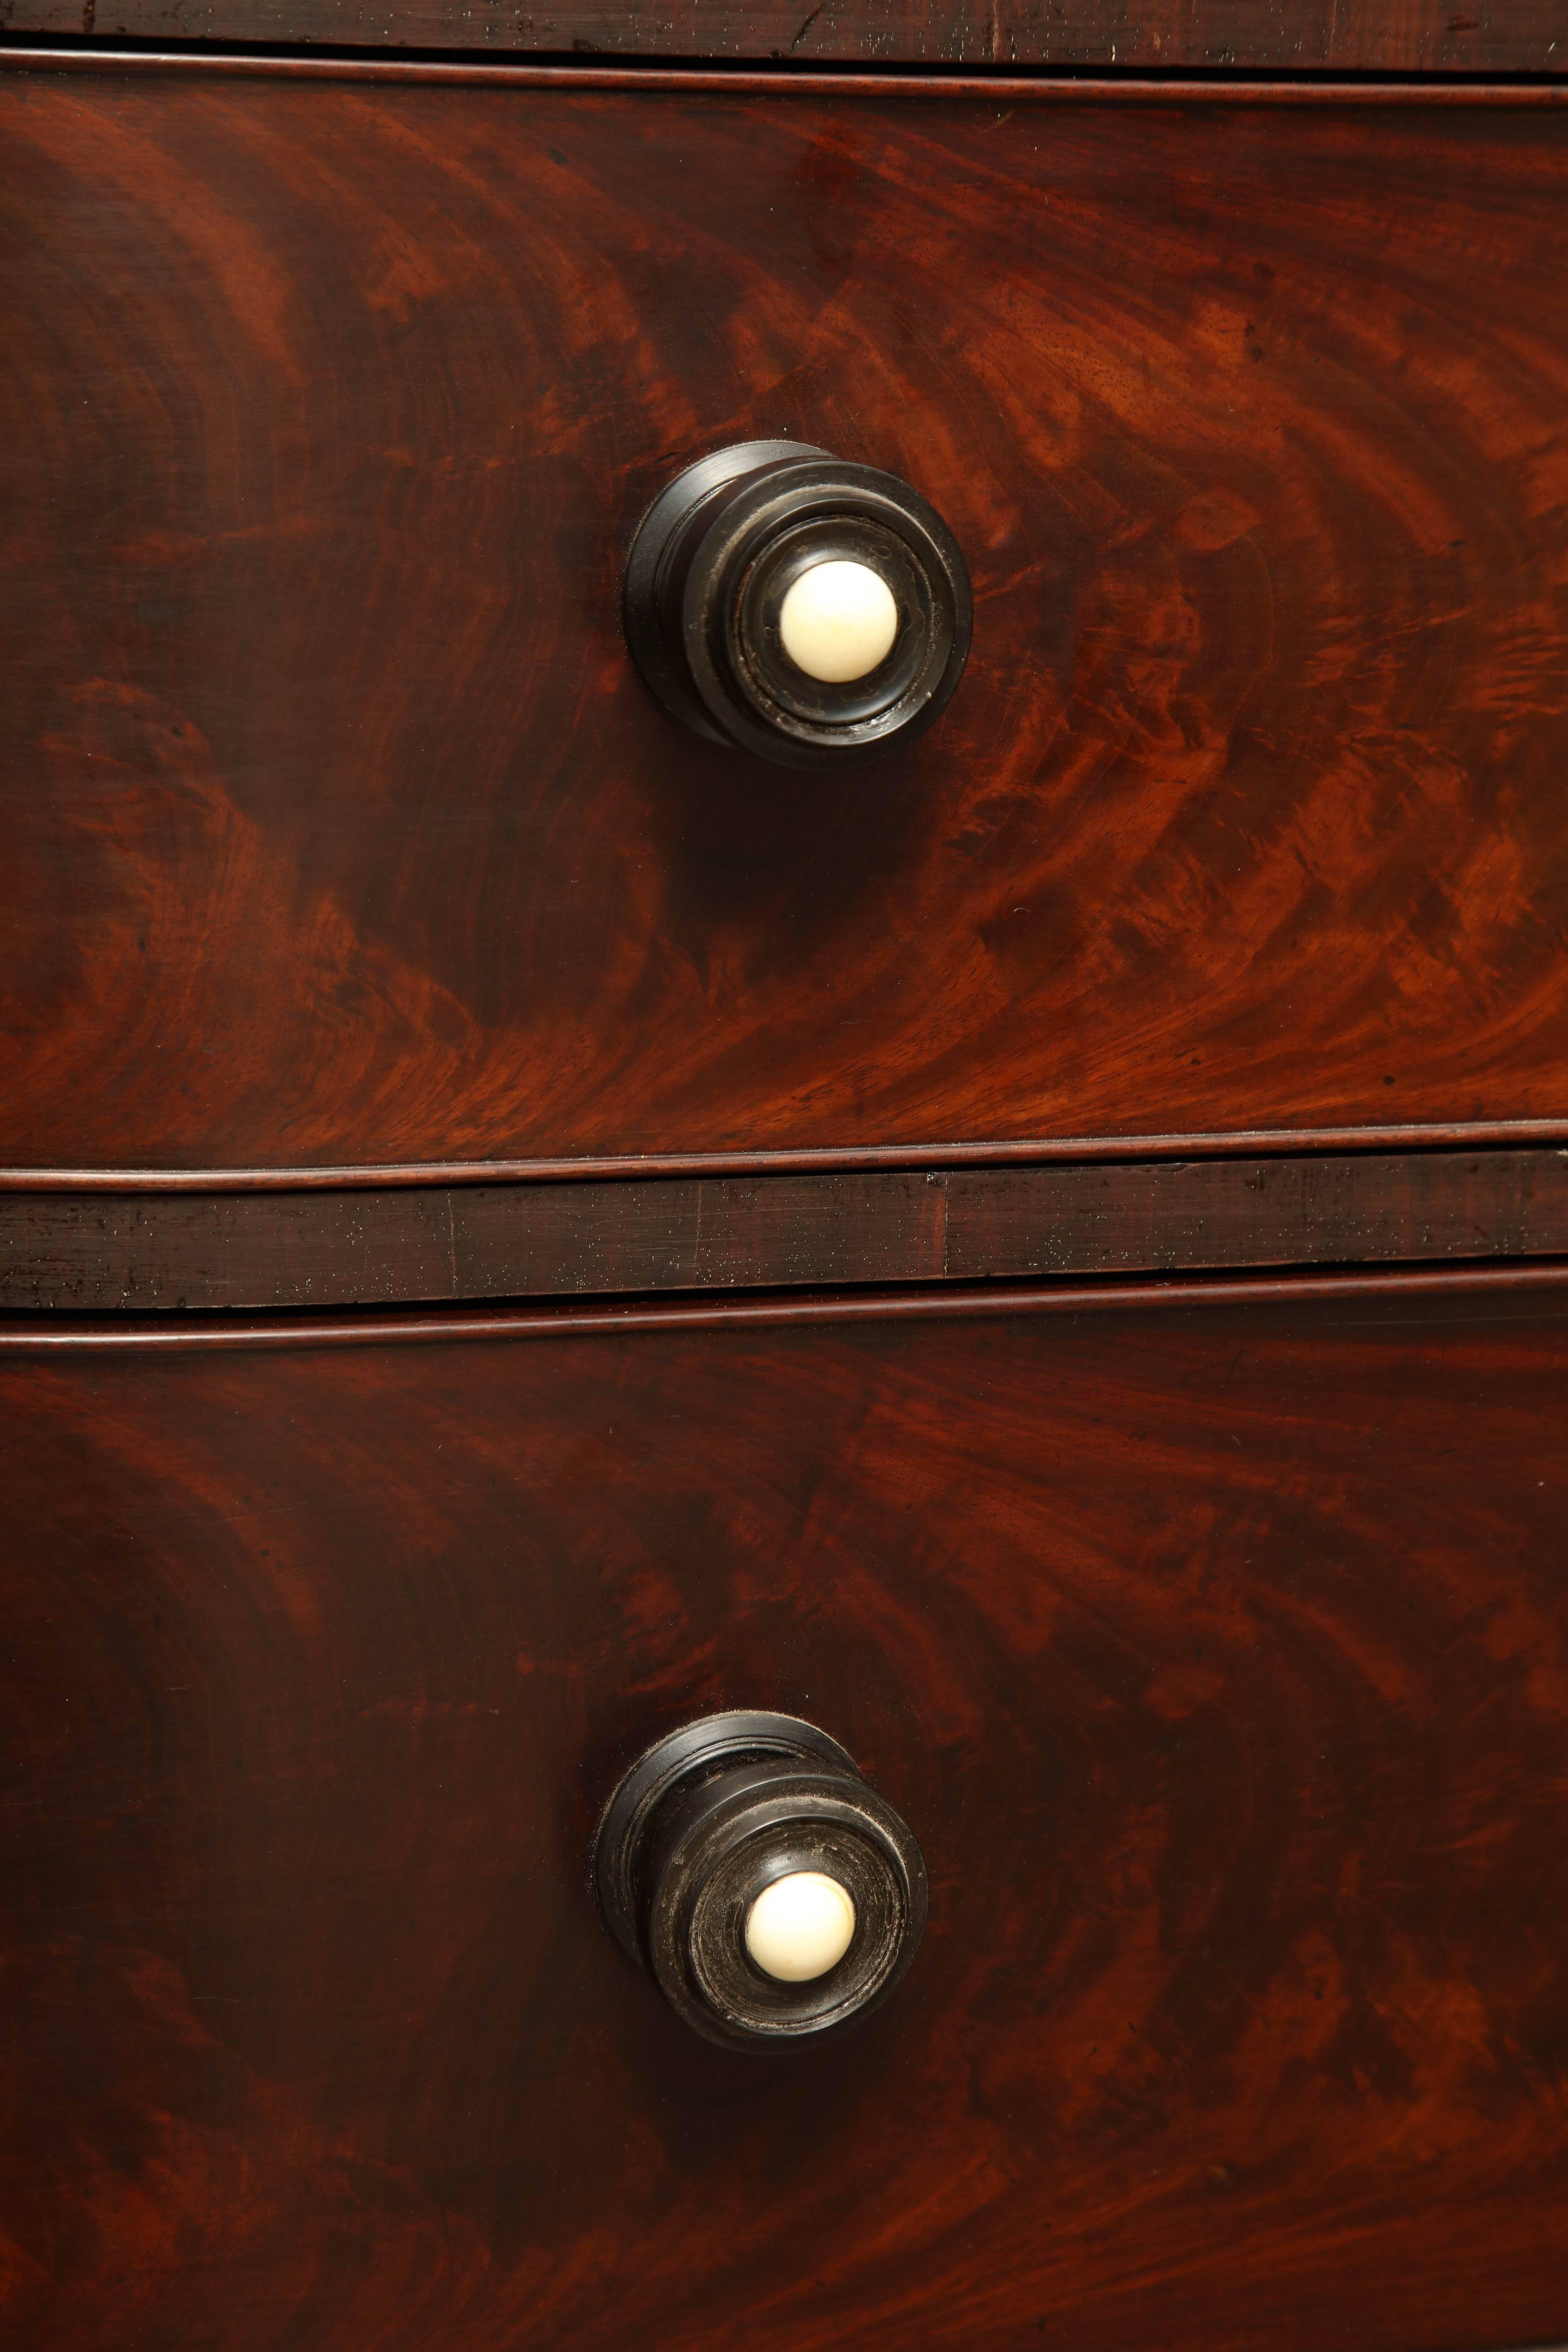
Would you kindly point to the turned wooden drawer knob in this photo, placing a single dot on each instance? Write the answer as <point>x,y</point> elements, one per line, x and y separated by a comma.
<point>785,601</point>
<point>772,1895</point>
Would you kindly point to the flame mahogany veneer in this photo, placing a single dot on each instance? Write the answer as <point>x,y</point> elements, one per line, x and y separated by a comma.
<point>1214,1638</point>
<point>339,828</point>
<point>1216,1654</point>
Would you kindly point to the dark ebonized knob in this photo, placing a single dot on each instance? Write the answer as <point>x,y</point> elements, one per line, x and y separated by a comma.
<point>785,603</point>
<point>770,1892</point>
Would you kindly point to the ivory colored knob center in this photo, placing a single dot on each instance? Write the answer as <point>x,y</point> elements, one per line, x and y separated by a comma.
<point>837,622</point>
<point>800,1927</point>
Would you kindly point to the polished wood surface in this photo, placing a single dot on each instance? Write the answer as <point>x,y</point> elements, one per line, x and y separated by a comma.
<point>340,830</point>
<point>1267,36</point>
<point>335,1248</point>
<point>1217,1658</point>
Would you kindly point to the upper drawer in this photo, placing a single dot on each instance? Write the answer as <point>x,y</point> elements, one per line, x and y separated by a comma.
<point>339,827</point>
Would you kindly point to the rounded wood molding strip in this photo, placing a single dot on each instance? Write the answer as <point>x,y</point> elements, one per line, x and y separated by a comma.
<point>777,79</point>
<point>222,1252</point>
<point>1513,1287</point>
<point>1271,1143</point>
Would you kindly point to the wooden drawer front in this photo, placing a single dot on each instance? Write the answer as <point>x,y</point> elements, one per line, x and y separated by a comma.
<point>340,828</point>
<point>1216,1653</point>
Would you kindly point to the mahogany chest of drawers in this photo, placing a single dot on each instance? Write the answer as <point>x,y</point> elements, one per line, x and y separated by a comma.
<point>652,1271</point>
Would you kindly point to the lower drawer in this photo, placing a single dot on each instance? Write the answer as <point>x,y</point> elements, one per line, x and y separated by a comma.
<point>1215,1647</point>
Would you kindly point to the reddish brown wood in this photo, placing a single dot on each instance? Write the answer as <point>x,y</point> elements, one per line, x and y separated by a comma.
<point>1271,36</point>
<point>228,1250</point>
<point>1217,1658</point>
<point>339,830</point>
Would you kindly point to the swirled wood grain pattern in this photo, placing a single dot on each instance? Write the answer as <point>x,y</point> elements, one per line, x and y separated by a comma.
<point>338,828</point>
<point>1218,1659</point>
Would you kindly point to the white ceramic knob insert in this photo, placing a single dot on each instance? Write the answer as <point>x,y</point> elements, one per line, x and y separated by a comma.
<point>838,621</point>
<point>800,1927</point>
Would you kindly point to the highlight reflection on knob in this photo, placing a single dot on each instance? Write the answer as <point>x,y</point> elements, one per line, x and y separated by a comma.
<point>788,602</point>
<point>770,1892</point>
<point>838,621</point>
<point>801,1926</point>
